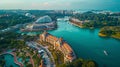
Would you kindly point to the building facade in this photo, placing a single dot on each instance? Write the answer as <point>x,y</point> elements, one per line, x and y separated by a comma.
<point>59,44</point>
<point>77,21</point>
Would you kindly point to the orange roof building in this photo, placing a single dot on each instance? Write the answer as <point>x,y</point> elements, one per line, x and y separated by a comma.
<point>60,44</point>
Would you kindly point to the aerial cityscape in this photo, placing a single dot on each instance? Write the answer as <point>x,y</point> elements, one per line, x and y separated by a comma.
<point>59,33</point>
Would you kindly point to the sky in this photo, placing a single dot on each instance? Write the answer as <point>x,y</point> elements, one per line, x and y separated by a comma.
<point>60,4</point>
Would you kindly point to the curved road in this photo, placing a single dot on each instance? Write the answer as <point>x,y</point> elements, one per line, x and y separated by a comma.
<point>47,55</point>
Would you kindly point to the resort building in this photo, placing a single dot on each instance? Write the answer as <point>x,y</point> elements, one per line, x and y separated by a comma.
<point>77,21</point>
<point>59,44</point>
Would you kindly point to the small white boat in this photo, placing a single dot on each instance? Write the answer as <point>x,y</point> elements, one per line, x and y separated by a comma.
<point>105,52</point>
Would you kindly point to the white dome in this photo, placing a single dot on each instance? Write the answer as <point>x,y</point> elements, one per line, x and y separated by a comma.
<point>28,14</point>
<point>44,19</point>
<point>30,26</point>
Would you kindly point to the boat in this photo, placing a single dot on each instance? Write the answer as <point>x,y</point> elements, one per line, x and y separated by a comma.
<point>105,52</point>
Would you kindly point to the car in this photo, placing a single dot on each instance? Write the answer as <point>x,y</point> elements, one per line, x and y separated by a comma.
<point>41,51</point>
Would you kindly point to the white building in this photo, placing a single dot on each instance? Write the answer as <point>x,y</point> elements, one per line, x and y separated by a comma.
<point>44,19</point>
<point>43,23</point>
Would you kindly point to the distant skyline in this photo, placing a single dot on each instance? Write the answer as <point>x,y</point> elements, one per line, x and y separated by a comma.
<point>60,4</point>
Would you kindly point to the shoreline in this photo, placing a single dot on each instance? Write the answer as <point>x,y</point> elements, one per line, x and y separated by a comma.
<point>15,58</point>
<point>63,48</point>
<point>80,26</point>
<point>102,35</point>
<point>112,36</point>
<point>16,61</point>
<point>76,25</point>
<point>99,34</point>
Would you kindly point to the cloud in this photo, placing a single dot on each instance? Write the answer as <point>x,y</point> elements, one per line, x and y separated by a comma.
<point>59,4</point>
<point>46,4</point>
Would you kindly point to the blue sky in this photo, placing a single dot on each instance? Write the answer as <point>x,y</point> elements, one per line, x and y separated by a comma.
<point>60,4</point>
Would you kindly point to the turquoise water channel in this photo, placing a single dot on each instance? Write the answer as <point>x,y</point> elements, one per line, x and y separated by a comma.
<point>88,45</point>
<point>9,60</point>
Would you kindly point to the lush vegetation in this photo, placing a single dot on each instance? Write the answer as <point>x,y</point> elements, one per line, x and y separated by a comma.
<point>110,31</point>
<point>59,59</point>
<point>12,19</point>
<point>80,63</point>
<point>10,40</point>
<point>27,54</point>
<point>58,55</point>
<point>99,20</point>
<point>109,23</point>
<point>2,61</point>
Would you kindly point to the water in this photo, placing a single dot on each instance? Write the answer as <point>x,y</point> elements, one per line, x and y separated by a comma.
<point>88,45</point>
<point>9,59</point>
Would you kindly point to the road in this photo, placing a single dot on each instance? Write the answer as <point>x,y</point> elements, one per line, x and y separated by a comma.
<point>48,53</point>
<point>45,56</point>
